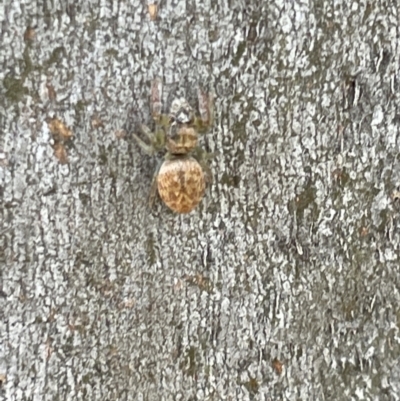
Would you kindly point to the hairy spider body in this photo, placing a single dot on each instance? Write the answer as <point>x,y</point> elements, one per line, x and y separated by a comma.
<point>181,184</point>
<point>181,178</point>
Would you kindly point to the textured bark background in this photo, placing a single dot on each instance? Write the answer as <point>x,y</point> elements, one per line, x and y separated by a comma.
<point>282,285</point>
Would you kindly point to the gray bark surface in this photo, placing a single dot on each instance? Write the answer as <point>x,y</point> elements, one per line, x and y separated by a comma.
<point>292,257</point>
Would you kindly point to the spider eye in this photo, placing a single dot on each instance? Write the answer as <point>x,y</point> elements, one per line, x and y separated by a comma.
<point>182,117</point>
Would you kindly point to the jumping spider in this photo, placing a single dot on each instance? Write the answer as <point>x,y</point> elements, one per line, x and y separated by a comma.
<point>181,178</point>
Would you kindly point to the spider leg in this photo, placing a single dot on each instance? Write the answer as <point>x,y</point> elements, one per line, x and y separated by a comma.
<point>156,98</point>
<point>147,148</point>
<point>206,109</point>
<point>203,159</point>
<point>147,131</point>
<point>154,186</point>
<point>162,120</point>
<point>156,139</point>
<point>156,104</point>
<point>208,176</point>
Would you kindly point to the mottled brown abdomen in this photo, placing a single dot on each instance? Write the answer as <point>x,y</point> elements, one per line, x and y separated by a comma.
<point>181,184</point>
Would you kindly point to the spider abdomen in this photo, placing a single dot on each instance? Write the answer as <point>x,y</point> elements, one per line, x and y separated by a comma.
<point>181,184</point>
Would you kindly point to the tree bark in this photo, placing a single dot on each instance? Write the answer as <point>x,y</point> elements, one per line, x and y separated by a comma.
<point>282,284</point>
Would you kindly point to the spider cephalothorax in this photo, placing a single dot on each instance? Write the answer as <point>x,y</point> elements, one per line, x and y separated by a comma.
<point>181,178</point>
<point>181,139</point>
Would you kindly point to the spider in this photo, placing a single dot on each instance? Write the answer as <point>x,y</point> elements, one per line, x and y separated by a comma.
<point>182,176</point>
